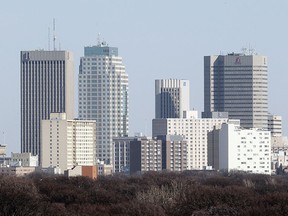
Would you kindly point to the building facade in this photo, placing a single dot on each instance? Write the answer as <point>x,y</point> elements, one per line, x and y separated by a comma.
<point>234,148</point>
<point>67,143</point>
<point>174,152</point>
<point>140,154</point>
<point>145,155</point>
<point>24,159</point>
<point>103,95</point>
<point>275,125</point>
<point>195,132</point>
<point>237,84</point>
<point>47,83</point>
<point>16,171</point>
<point>172,98</point>
<point>121,154</point>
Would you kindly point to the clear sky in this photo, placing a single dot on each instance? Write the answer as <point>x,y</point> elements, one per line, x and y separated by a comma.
<point>157,39</point>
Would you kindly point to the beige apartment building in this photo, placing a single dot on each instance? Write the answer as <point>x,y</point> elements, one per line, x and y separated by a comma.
<point>67,143</point>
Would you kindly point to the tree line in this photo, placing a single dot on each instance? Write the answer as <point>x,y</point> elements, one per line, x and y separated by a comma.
<point>152,193</point>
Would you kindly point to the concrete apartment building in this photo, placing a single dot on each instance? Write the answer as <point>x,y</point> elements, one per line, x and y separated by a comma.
<point>174,152</point>
<point>237,84</point>
<point>67,143</point>
<point>234,148</point>
<point>121,154</point>
<point>103,95</point>
<point>47,83</point>
<point>172,98</point>
<point>194,130</point>
<point>145,155</point>
<point>140,154</point>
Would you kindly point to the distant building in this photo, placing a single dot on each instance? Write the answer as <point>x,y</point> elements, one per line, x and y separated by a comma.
<point>172,98</point>
<point>2,150</point>
<point>16,170</point>
<point>67,143</point>
<point>24,159</point>
<point>121,154</point>
<point>234,148</point>
<point>279,153</point>
<point>275,125</point>
<point>145,155</point>
<point>174,152</point>
<point>88,171</point>
<point>47,83</point>
<point>103,96</point>
<point>104,169</point>
<point>237,84</point>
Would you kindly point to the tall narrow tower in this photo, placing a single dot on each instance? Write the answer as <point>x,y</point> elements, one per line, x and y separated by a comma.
<point>237,84</point>
<point>172,98</point>
<point>103,95</point>
<point>47,83</point>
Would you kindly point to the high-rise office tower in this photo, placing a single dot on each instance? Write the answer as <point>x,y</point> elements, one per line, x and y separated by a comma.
<point>47,83</point>
<point>103,96</point>
<point>237,84</point>
<point>172,98</point>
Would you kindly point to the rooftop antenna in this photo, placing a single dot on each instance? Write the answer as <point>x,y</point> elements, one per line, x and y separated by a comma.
<point>54,36</point>
<point>48,39</point>
<point>244,50</point>
<point>59,46</point>
<point>98,40</point>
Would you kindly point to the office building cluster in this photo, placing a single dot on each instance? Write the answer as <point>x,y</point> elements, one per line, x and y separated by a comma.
<point>235,131</point>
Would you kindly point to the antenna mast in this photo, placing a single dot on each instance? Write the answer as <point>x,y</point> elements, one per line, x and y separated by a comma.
<point>54,36</point>
<point>48,38</point>
<point>99,39</point>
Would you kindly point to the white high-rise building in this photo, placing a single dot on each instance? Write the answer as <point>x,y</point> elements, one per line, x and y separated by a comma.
<point>103,95</point>
<point>172,98</point>
<point>194,130</point>
<point>237,84</point>
<point>47,85</point>
<point>67,143</point>
<point>235,148</point>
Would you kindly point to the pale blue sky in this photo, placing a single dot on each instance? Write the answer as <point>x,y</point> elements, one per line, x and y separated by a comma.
<point>157,39</point>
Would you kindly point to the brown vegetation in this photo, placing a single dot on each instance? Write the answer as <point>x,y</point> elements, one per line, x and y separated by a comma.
<point>165,193</point>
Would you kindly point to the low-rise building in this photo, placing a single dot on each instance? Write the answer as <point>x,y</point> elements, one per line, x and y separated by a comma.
<point>24,159</point>
<point>88,171</point>
<point>104,169</point>
<point>16,171</point>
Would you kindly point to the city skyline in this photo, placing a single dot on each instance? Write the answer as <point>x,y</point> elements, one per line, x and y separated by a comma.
<point>145,43</point>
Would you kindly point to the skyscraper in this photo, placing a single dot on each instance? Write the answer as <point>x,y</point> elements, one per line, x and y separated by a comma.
<point>47,81</point>
<point>237,84</point>
<point>172,98</point>
<point>103,95</point>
